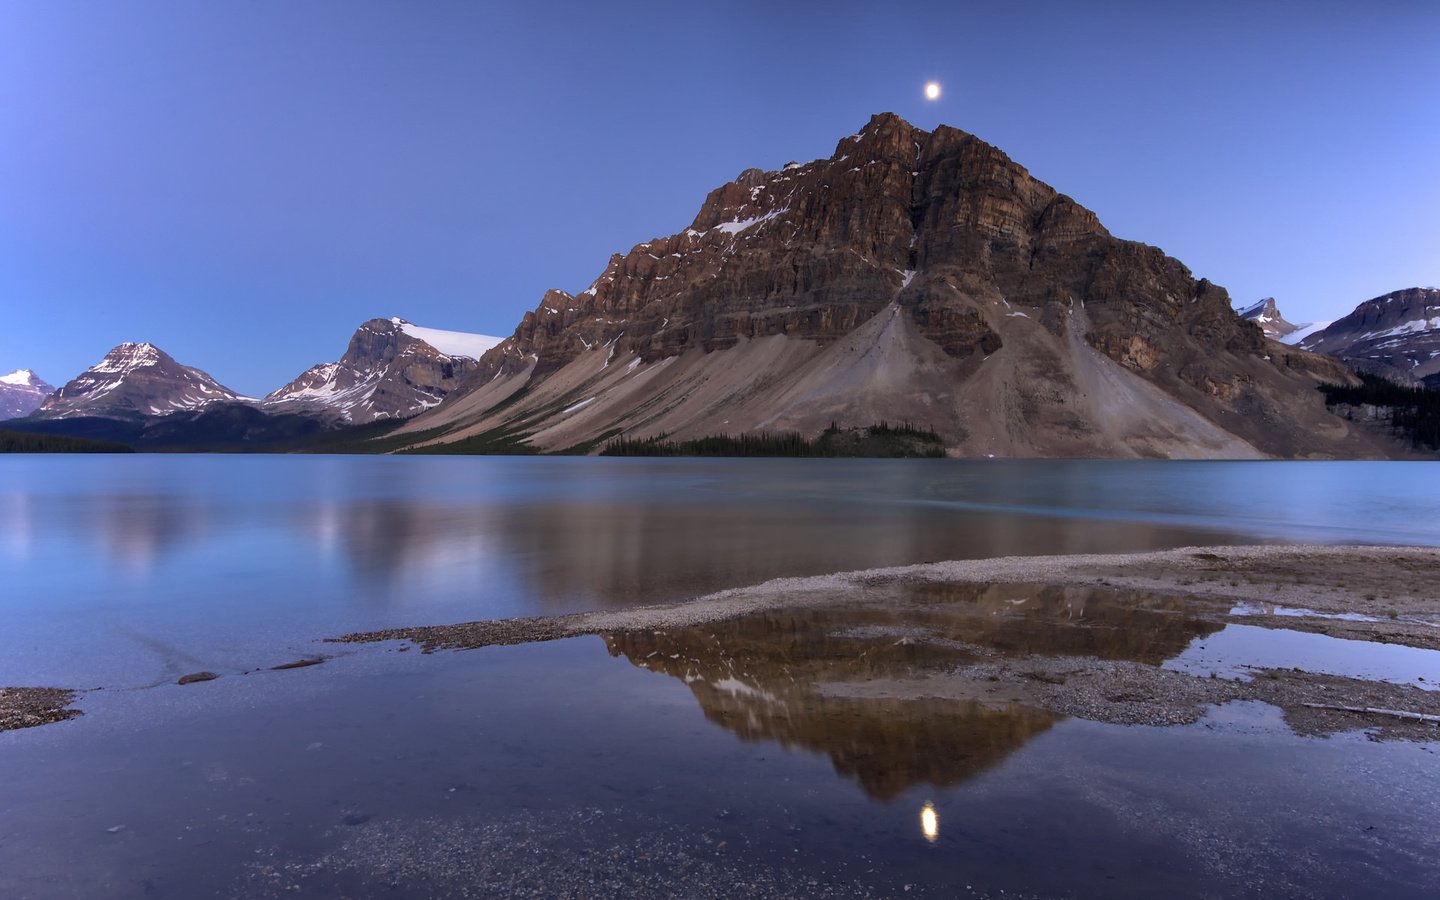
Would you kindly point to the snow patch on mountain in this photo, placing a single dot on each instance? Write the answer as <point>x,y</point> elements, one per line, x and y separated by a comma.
<point>450,343</point>
<point>1304,331</point>
<point>21,377</point>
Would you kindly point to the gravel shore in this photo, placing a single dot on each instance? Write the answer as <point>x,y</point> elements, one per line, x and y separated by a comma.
<point>1373,581</point>
<point>28,707</point>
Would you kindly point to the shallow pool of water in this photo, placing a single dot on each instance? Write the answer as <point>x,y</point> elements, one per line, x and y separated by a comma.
<point>542,768</point>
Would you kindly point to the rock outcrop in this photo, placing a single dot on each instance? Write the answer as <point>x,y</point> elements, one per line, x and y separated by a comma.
<point>1395,335</point>
<point>913,275</point>
<point>132,381</point>
<point>388,371</point>
<point>21,393</point>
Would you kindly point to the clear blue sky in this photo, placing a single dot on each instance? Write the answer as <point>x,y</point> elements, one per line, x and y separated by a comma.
<point>243,183</point>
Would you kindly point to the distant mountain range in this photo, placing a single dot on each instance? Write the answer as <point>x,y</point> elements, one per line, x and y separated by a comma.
<point>1395,335</point>
<point>912,277</point>
<point>139,394</point>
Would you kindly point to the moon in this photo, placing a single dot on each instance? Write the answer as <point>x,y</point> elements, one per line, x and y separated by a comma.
<point>932,90</point>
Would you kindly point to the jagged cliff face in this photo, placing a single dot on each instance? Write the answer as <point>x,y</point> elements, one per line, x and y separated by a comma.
<point>21,393</point>
<point>914,275</point>
<point>1396,335</point>
<point>134,380</point>
<point>386,373</point>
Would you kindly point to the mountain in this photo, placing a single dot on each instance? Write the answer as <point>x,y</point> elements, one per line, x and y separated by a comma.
<point>1267,316</point>
<point>392,369</point>
<point>1396,335</point>
<point>21,393</point>
<point>134,381</point>
<point>912,276</point>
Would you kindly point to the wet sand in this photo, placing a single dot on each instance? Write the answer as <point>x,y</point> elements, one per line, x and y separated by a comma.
<point>1385,593</point>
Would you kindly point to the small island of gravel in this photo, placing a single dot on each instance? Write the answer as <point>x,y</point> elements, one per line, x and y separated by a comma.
<point>1084,636</point>
<point>26,707</point>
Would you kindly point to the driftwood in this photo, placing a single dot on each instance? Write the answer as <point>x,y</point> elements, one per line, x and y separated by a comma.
<point>1377,711</point>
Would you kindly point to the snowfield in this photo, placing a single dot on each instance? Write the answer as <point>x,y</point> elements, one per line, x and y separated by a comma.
<point>450,343</point>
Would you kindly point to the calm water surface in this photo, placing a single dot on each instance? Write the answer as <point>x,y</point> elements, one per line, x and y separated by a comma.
<point>682,763</point>
<point>126,571</point>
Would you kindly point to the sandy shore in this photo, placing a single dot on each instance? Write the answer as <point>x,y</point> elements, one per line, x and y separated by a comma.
<point>1386,593</point>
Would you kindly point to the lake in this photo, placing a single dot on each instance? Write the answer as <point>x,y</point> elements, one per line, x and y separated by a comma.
<point>542,768</point>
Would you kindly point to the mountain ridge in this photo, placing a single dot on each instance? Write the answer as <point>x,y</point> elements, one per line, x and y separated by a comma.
<point>1395,335</point>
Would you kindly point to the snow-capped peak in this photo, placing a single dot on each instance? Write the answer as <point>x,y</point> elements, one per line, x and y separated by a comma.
<point>21,377</point>
<point>450,343</point>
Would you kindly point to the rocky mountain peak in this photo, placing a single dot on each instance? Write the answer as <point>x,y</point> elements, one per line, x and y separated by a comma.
<point>914,274</point>
<point>135,380</point>
<point>1267,315</point>
<point>21,393</point>
<point>127,356</point>
<point>390,369</point>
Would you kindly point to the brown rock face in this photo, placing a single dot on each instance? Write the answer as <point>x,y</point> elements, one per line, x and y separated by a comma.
<point>385,373</point>
<point>912,275</point>
<point>1396,335</point>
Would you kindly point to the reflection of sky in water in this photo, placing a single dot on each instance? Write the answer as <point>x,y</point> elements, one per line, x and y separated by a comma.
<point>109,561</point>
<point>1237,651</point>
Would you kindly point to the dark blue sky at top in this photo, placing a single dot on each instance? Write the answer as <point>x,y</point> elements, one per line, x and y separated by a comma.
<point>243,183</point>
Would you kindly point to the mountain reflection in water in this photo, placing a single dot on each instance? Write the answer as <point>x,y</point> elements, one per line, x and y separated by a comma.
<point>1053,620</point>
<point>754,676</point>
<point>758,675</point>
<point>561,545</point>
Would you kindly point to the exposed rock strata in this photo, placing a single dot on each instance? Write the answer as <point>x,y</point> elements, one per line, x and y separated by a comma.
<point>913,275</point>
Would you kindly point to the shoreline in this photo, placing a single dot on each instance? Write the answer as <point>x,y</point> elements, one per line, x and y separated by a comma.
<point>1234,573</point>
<point>1378,594</point>
<point>1348,593</point>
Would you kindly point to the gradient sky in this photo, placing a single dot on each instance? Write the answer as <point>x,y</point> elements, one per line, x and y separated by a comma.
<point>243,183</point>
